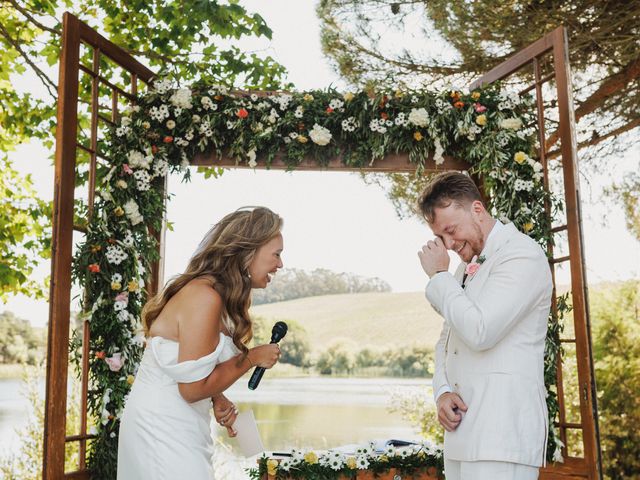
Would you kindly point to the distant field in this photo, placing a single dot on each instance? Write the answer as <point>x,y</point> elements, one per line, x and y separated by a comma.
<point>376,319</point>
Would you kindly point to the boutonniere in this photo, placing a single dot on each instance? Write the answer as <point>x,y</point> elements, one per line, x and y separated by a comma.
<point>474,265</point>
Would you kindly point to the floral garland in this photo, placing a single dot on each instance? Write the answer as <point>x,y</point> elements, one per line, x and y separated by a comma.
<point>492,130</point>
<point>328,465</point>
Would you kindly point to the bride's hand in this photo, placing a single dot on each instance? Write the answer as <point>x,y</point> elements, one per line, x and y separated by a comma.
<point>225,413</point>
<point>265,356</point>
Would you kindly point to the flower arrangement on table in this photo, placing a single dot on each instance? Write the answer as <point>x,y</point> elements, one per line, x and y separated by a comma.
<point>423,459</point>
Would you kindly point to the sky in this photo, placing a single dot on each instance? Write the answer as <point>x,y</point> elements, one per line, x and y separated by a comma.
<point>332,220</point>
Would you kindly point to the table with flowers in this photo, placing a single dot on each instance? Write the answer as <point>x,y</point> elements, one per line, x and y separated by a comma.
<point>421,461</point>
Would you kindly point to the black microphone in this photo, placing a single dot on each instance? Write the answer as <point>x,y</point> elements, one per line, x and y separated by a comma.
<point>278,332</point>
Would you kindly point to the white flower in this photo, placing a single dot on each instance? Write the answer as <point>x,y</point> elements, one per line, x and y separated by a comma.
<point>350,124</point>
<point>437,155</point>
<point>419,117</point>
<point>320,135</point>
<point>162,86</point>
<point>132,212</point>
<point>230,125</point>
<point>143,180</point>
<point>293,135</point>
<point>251,155</point>
<point>123,315</point>
<point>287,140</point>
<point>207,103</point>
<point>128,239</point>
<point>285,465</point>
<point>254,97</point>
<point>171,124</point>
<point>181,98</point>
<point>336,104</point>
<point>160,168</point>
<point>159,113</point>
<point>511,123</point>
<point>299,112</point>
<point>116,277</point>
<point>362,462</point>
<point>177,111</point>
<point>137,159</point>
<point>115,254</point>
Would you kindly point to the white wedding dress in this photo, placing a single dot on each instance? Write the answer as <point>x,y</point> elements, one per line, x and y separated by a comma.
<point>162,436</point>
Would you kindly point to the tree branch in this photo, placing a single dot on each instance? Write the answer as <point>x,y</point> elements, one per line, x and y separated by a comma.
<point>43,76</point>
<point>29,17</point>
<point>608,88</point>
<point>596,140</point>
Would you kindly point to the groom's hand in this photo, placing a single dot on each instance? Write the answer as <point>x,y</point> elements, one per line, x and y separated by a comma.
<point>434,257</point>
<point>449,406</point>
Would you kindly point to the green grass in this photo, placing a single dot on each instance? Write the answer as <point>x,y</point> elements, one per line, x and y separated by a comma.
<point>375,319</point>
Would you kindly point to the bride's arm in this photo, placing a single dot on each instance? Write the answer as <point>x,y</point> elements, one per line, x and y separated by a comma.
<point>199,325</point>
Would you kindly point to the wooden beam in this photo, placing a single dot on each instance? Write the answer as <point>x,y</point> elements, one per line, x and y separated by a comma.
<point>390,163</point>
<point>61,250</point>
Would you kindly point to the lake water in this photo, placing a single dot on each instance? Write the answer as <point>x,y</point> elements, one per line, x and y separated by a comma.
<point>313,412</point>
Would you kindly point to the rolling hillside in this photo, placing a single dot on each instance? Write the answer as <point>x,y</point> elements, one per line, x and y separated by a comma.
<point>377,319</point>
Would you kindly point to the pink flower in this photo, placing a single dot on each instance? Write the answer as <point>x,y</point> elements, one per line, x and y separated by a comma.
<point>479,108</point>
<point>115,362</point>
<point>122,297</point>
<point>127,168</point>
<point>472,268</point>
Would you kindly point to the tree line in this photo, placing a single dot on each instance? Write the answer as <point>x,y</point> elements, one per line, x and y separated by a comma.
<point>294,283</point>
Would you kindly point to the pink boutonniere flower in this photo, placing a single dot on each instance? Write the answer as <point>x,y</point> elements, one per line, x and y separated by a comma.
<point>474,265</point>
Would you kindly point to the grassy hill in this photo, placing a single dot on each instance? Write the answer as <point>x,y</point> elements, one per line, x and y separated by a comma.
<point>377,319</point>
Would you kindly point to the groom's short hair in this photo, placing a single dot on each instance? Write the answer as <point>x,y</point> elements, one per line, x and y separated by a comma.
<point>444,189</point>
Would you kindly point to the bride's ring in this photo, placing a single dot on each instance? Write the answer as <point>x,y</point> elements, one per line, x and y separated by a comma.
<point>221,422</point>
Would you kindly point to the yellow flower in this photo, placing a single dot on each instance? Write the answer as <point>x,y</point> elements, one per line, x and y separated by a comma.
<point>311,458</point>
<point>481,120</point>
<point>454,94</point>
<point>121,184</point>
<point>520,157</point>
<point>307,97</point>
<point>383,458</point>
<point>475,95</point>
<point>146,125</point>
<point>421,454</point>
<point>130,379</point>
<point>132,286</point>
<point>116,285</point>
<point>398,94</point>
<point>348,96</point>
<point>351,462</point>
<point>302,139</point>
<point>272,466</point>
<point>418,136</point>
<point>528,226</point>
<point>118,211</point>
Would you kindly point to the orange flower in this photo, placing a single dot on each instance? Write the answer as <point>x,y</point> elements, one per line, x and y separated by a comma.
<point>94,268</point>
<point>300,126</point>
<point>455,95</point>
<point>418,136</point>
<point>242,113</point>
<point>458,104</point>
<point>218,97</point>
<point>154,149</point>
<point>95,248</point>
<point>167,139</point>
<point>329,110</point>
<point>384,115</point>
<point>101,354</point>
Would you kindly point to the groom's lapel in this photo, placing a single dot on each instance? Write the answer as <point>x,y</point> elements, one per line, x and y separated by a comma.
<point>495,243</point>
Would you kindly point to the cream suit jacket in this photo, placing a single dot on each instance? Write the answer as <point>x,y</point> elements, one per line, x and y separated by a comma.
<point>491,351</point>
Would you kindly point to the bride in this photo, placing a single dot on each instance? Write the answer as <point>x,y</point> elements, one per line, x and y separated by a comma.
<point>197,331</point>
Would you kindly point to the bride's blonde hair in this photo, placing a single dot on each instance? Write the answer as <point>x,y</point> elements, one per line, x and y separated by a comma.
<point>223,257</point>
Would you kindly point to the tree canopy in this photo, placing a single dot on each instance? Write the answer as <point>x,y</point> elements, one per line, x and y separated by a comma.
<point>184,40</point>
<point>402,43</point>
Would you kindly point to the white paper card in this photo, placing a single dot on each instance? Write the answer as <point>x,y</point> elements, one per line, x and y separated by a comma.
<point>248,436</point>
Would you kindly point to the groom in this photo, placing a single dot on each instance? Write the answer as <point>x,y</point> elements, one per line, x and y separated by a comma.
<point>488,381</point>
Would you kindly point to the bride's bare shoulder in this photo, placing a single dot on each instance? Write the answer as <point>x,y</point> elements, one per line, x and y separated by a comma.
<point>200,294</point>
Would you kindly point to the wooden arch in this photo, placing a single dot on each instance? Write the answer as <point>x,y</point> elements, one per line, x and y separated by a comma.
<point>581,452</point>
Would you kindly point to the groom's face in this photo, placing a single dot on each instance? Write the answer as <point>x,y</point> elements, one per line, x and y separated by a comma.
<point>459,228</point>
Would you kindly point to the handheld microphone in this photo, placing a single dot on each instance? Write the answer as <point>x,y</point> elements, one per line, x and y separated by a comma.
<point>278,332</point>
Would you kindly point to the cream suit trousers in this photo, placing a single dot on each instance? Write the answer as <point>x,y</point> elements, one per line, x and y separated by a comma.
<point>454,470</point>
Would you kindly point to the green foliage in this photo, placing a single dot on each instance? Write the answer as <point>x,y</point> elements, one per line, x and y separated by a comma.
<point>616,320</point>
<point>417,407</point>
<point>19,343</point>
<point>26,464</point>
<point>292,283</point>
<point>295,345</point>
<point>337,359</point>
<point>183,39</point>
